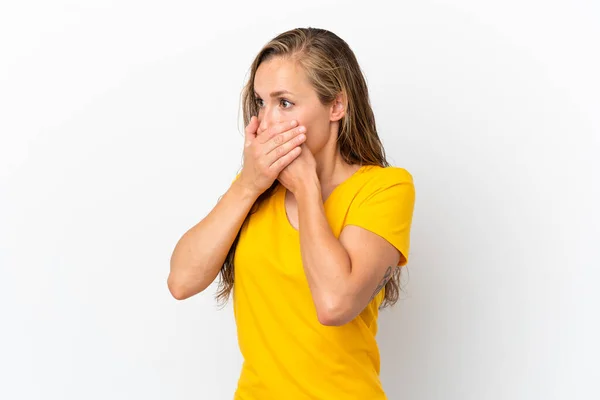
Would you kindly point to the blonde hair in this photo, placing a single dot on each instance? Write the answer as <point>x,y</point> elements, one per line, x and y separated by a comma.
<point>332,68</point>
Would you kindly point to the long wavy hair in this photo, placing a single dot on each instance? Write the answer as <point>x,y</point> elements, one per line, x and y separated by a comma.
<point>332,68</point>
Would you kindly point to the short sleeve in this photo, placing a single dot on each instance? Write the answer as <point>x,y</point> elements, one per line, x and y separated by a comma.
<point>384,205</point>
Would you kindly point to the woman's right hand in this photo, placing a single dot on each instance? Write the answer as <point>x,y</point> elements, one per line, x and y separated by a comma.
<point>269,152</point>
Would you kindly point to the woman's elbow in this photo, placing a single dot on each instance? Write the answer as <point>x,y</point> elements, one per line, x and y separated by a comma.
<point>334,313</point>
<point>176,289</point>
<point>179,287</point>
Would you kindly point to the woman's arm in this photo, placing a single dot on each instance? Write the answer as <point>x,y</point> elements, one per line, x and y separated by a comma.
<point>201,251</point>
<point>343,274</point>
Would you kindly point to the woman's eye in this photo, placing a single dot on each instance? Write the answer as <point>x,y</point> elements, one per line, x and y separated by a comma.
<point>283,102</point>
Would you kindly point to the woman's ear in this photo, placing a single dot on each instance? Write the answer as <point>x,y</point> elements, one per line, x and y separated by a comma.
<point>338,108</point>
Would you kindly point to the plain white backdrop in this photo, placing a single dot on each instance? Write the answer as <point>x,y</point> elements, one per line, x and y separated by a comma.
<point>120,128</point>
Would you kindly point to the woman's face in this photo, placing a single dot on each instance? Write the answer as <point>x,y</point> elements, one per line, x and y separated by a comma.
<point>283,93</point>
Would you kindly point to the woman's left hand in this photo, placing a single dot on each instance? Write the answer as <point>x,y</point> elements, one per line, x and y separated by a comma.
<point>303,168</point>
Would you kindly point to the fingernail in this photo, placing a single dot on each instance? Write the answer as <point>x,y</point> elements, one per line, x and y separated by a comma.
<point>302,129</point>
<point>293,123</point>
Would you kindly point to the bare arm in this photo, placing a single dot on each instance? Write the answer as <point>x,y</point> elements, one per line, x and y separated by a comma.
<point>343,274</point>
<point>201,251</point>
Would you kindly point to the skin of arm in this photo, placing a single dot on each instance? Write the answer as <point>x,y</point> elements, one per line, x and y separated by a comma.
<point>343,274</point>
<point>201,251</point>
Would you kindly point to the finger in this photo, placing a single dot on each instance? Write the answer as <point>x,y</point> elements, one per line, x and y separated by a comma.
<point>285,160</point>
<point>250,131</point>
<point>277,129</point>
<point>285,148</point>
<point>284,138</point>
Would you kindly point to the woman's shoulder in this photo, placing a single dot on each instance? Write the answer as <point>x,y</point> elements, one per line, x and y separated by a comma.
<point>389,175</point>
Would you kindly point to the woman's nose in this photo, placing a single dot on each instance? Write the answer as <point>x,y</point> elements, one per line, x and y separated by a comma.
<point>267,119</point>
<point>263,125</point>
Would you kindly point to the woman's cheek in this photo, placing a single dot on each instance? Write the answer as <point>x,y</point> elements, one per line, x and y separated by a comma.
<point>294,116</point>
<point>312,139</point>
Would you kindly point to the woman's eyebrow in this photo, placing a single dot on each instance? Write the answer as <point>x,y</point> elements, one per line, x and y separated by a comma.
<point>276,94</point>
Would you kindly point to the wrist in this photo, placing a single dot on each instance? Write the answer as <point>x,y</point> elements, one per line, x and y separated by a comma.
<point>308,188</point>
<point>244,192</point>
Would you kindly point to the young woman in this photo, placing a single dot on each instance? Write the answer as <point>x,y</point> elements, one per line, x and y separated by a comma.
<point>313,231</point>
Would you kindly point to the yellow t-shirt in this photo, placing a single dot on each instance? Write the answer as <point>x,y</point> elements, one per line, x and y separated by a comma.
<point>288,354</point>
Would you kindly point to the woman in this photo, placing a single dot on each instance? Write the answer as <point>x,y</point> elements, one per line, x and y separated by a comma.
<point>313,231</point>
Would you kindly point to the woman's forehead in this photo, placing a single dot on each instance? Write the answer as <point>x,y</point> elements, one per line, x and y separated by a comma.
<point>277,75</point>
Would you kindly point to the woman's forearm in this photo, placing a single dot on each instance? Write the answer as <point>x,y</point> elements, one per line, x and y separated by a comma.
<point>326,262</point>
<point>201,251</point>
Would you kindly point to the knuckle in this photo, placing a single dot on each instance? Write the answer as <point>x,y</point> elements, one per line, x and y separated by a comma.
<point>285,136</point>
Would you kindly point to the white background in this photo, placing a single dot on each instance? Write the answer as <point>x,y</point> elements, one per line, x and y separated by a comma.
<point>120,129</point>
